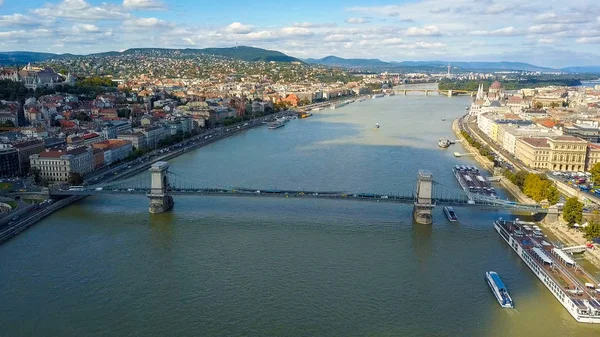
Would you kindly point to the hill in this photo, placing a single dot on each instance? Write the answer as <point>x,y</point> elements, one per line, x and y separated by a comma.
<point>244,53</point>
<point>583,69</point>
<point>350,63</point>
<point>426,65</point>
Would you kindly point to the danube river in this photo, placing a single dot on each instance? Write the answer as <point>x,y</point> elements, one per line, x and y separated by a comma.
<point>234,266</point>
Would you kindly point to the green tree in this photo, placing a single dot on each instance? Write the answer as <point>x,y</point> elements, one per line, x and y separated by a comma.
<point>9,124</point>
<point>595,171</point>
<point>592,230</point>
<point>554,105</point>
<point>552,195</point>
<point>520,178</point>
<point>75,179</point>
<point>539,105</point>
<point>573,211</point>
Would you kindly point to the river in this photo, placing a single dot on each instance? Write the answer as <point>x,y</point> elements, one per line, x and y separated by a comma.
<point>234,266</point>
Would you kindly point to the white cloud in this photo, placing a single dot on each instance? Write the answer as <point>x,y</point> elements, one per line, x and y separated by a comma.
<point>548,28</point>
<point>314,25</point>
<point>238,28</point>
<point>393,41</point>
<point>144,4</point>
<point>18,19</point>
<point>506,31</point>
<point>337,38</point>
<point>588,40</point>
<point>356,21</point>
<point>423,31</point>
<point>427,45</point>
<point>85,28</point>
<point>147,23</point>
<point>296,31</point>
<point>81,10</point>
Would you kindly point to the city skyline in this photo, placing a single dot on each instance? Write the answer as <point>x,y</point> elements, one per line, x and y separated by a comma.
<point>552,34</point>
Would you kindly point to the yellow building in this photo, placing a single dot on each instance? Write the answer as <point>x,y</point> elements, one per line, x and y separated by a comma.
<point>593,156</point>
<point>494,131</point>
<point>560,153</point>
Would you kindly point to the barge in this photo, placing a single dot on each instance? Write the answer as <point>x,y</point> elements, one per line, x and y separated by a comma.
<point>571,285</point>
<point>472,182</point>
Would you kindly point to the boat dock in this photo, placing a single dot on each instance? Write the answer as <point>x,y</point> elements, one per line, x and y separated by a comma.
<point>472,181</point>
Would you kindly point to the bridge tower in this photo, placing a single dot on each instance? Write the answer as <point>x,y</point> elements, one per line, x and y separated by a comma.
<point>423,206</point>
<point>160,200</point>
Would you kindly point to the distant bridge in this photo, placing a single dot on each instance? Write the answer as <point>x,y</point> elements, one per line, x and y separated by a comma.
<point>448,93</point>
<point>163,184</point>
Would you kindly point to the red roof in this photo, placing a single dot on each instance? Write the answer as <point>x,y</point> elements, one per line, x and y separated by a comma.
<point>90,135</point>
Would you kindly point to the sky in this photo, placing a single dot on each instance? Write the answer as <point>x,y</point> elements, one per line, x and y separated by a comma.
<point>542,32</point>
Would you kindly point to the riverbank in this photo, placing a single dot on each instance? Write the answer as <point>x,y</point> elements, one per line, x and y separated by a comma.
<point>569,237</point>
<point>200,141</point>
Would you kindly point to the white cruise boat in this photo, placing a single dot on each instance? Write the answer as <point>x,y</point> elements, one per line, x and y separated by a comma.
<point>571,285</point>
<point>499,289</point>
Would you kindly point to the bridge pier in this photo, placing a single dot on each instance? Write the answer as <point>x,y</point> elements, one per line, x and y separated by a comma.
<point>160,199</point>
<point>422,209</point>
<point>404,92</point>
<point>449,93</point>
<point>426,92</point>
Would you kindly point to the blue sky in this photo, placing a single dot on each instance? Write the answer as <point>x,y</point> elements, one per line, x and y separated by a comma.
<point>543,32</point>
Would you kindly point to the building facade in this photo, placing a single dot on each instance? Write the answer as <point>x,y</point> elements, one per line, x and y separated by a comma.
<point>56,165</point>
<point>9,161</point>
<point>559,153</point>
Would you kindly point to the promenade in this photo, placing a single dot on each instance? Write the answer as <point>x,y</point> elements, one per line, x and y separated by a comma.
<point>570,237</point>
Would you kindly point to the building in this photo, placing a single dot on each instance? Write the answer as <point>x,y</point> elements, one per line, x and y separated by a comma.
<point>98,158</point>
<point>8,117</point>
<point>137,139</point>
<point>153,135</point>
<point>56,165</point>
<point>110,130</point>
<point>509,133</point>
<point>9,161</point>
<point>593,156</point>
<point>559,153</point>
<point>589,132</point>
<point>26,149</point>
<point>114,150</point>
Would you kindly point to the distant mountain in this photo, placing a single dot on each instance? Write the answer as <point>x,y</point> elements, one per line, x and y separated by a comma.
<point>23,57</point>
<point>250,54</point>
<point>429,65</point>
<point>583,70</point>
<point>507,66</point>
<point>349,63</point>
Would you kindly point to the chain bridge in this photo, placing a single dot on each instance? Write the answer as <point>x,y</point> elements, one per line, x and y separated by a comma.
<point>424,196</point>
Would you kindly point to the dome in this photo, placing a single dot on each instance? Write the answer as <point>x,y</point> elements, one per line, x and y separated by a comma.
<point>496,85</point>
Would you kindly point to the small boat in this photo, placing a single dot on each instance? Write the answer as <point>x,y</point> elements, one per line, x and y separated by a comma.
<point>450,214</point>
<point>377,125</point>
<point>444,143</point>
<point>499,289</point>
<point>443,119</point>
<point>275,125</point>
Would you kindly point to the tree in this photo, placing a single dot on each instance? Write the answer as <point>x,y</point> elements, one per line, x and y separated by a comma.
<point>595,171</point>
<point>75,179</point>
<point>552,195</point>
<point>592,230</point>
<point>9,124</point>
<point>520,178</point>
<point>573,211</point>
<point>554,105</point>
<point>539,105</point>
